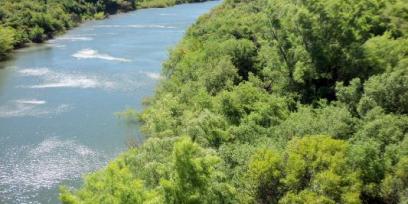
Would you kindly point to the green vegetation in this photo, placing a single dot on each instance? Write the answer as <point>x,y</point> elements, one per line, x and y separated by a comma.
<point>274,101</point>
<point>25,21</point>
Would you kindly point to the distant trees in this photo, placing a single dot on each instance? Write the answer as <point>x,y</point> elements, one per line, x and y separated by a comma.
<point>35,21</point>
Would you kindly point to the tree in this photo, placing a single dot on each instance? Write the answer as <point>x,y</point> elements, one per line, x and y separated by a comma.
<point>351,94</point>
<point>378,147</point>
<point>209,129</point>
<point>389,90</point>
<point>115,185</point>
<point>316,55</point>
<point>327,119</point>
<point>385,53</point>
<point>6,40</point>
<point>266,170</point>
<point>37,34</point>
<point>195,178</point>
<point>312,168</point>
<point>248,98</point>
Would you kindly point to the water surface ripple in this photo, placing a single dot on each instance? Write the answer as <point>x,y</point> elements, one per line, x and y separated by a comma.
<point>58,99</point>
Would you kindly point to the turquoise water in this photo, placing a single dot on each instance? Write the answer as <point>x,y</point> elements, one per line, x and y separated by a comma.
<point>57,100</point>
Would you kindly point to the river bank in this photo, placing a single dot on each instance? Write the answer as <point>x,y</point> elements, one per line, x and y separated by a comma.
<point>26,22</point>
<point>59,99</point>
<point>274,102</point>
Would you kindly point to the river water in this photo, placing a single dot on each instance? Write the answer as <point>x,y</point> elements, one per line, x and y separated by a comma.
<point>58,100</point>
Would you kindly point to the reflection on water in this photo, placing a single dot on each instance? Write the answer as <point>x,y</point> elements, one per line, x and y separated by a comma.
<point>29,168</point>
<point>58,99</point>
<point>3,76</point>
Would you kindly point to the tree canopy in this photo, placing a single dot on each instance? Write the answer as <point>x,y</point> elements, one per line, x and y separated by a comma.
<point>277,101</point>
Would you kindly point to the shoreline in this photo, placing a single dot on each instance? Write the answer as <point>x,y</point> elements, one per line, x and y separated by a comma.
<point>13,51</point>
<point>90,92</point>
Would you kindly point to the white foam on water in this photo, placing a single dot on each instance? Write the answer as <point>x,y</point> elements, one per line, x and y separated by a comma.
<point>54,79</point>
<point>25,170</point>
<point>31,101</point>
<point>18,110</point>
<point>75,38</point>
<point>151,26</point>
<point>87,34</point>
<point>48,78</point>
<point>111,33</point>
<point>34,72</point>
<point>69,82</point>
<point>30,108</point>
<point>168,14</point>
<point>57,45</point>
<point>136,26</point>
<point>153,75</point>
<point>108,26</point>
<point>94,54</point>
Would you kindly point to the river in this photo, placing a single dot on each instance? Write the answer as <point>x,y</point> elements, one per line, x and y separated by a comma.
<point>58,100</point>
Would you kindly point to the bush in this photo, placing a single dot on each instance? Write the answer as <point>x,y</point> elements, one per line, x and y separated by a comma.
<point>7,37</point>
<point>389,90</point>
<point>99,15</point>
<point>37,34</point>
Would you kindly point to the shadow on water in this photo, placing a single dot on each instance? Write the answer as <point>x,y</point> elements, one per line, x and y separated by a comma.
<point>5,71</point>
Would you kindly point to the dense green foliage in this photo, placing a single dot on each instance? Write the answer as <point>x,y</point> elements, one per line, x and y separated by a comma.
<point>24,21</point>
<point>274,101</point>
